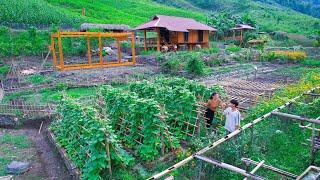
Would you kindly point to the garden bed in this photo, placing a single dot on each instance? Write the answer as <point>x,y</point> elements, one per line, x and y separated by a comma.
<point>72,169</point>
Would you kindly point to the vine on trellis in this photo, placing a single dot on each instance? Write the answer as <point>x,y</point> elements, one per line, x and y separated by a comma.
<point>139,122</point>
<point>84,136</point>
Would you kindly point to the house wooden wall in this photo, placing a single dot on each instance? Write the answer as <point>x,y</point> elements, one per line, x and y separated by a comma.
<point>193,37</point>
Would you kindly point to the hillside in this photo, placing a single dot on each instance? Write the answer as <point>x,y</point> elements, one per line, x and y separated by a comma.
<point>44,13</point>
<point>40,12</point>
<point>310,7</point>
<point>269,15</point>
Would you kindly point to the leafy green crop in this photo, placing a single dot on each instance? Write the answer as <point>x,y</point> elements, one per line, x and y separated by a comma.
<point>132,116</point>
<point>84,134</point>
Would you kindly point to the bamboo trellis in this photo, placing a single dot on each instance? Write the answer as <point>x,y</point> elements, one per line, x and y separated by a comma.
<point>226,138</point>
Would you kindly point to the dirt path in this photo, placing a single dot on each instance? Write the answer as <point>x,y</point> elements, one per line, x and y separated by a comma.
<point>49,158</point>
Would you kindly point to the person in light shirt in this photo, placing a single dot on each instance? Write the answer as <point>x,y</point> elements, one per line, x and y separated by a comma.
<point>233,116</point>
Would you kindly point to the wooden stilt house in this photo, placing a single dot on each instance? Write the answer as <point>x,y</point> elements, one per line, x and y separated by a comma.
<point>175,31</point>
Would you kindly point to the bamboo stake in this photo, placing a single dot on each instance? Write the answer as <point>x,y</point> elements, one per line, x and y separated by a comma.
<point>276,170</point>
<point>40,127</point>
<point>255,169</point>
<point>229,167</point>
<point>108,156</point>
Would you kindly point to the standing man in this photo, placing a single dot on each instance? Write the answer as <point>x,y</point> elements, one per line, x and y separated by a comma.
<point>233,116</point>
<point>212,105</point>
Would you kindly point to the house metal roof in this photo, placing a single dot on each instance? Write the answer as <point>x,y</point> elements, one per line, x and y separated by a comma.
<point>173,23</point>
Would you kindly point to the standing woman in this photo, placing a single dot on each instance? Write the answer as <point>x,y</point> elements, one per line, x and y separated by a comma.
<point>212,105</point>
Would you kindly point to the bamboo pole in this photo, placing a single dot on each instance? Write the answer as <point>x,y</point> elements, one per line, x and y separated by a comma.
<point>108,156</point>
<point>313,150</point>
<point>312,94</point>
<point>254,170</point>
<point>291,116</point>
<point>271,168</point>
<point>60,51</point>
<point>229,167</point>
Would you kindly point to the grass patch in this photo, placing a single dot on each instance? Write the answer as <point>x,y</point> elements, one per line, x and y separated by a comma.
<point>38,79</point>
<point>233,48</point>
<point>4,69</point>
<point>13,147</point>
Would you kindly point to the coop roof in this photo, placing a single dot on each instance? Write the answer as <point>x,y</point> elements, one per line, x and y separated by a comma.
<point>173,23</point>
<point>243,26</point>
<point>111,27</point>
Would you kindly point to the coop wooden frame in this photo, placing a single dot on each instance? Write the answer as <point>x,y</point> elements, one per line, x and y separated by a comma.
<point>60,65</point>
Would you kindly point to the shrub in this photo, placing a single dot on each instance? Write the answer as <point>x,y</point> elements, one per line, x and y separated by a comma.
<point>172,66</point>
<point>195,65</point>
<point>211,50</point>
<point>291,55</point>
<point>311,62</point>
<point>37,79</point>
<point>284,55</point>
<point>233,48</point>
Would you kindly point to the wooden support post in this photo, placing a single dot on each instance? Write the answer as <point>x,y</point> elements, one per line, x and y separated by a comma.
<point>229,167</point>
<point>119,50</point>
<point>53,49</point>
<point>60,52</point>
<point>89,50</point>
<point>133,48</point>
<point>158,39</point>
<point>271,168</point>
<point>241,38</point>
<point>100,49</point>
<point>145,40</point>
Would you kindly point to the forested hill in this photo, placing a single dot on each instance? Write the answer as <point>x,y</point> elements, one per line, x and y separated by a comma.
<point>267,15</point>
<point>310,7</point>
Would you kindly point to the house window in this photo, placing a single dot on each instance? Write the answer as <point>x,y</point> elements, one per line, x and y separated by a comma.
<point>200,36</point>
<point>186,36</point>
